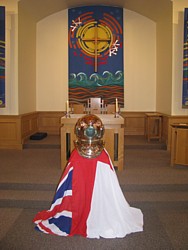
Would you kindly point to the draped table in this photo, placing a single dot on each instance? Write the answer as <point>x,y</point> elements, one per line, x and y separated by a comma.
<point>89,202</point>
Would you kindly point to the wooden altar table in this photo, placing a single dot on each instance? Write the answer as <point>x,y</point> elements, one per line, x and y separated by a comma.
<point>113,137</point>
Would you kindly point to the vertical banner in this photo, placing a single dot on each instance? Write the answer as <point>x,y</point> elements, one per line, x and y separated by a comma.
<point>96,54</point>
<point>185,61</point>
<point>2,57</point>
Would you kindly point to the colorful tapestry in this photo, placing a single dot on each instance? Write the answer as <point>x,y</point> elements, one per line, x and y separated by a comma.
<point>96,54</point>
<point>2,57</point>
<point>185,61</point>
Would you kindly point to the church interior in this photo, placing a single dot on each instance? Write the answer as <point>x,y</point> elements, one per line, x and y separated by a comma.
<point>149,148</point>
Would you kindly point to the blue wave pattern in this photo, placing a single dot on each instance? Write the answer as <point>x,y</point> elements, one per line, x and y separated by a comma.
<point>107,86</point>
<point>95,80</point>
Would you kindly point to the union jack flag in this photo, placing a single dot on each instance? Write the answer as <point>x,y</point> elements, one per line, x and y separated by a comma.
<point>58,219</point>
<point>89,202</point>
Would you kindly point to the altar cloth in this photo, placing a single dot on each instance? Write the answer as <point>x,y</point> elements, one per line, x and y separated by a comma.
<point>89,202</point>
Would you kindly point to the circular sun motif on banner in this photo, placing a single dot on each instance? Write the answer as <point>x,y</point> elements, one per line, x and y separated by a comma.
<point>94,38</point>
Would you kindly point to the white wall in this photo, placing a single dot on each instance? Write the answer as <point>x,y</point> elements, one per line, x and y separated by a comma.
<point>177,78</point>
<point>52,62</point>
<point>139,62</point>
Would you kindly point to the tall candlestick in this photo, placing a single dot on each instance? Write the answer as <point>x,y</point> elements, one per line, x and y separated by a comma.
<point>102,103</point>
<point>116,105</point>
<point>67,107</point>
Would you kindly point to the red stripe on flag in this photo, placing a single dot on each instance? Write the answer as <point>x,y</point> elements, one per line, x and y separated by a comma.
<point>66,205</point>
<point>82,189</point>
<point>47,230</point>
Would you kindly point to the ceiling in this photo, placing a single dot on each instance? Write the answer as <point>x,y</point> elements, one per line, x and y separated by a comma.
<point>39,9</point>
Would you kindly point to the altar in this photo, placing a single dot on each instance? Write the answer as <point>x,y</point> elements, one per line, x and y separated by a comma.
<point>113,137</point>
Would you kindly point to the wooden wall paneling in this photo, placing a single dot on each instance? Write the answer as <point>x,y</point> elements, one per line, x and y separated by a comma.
<point>50,122</point>
<point>134,123</point>
<point>29,125</point>
<point>10,132</point>
<point>15,129</point>
<point>165,120</point>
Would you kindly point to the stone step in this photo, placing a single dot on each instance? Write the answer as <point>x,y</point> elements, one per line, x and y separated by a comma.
<point>131,196</point>
<point>131,142</point>
<point>25,195</point>
<point>125,187</point>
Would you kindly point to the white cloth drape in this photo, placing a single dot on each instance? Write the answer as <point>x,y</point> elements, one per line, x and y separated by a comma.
<point>111,216</point>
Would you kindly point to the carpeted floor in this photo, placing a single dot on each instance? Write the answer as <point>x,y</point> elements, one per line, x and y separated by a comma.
<point>28,181</point>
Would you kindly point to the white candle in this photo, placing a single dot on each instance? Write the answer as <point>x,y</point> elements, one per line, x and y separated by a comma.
<point>102,103</point>
<point>67,107</point>
<point>116,105</point>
